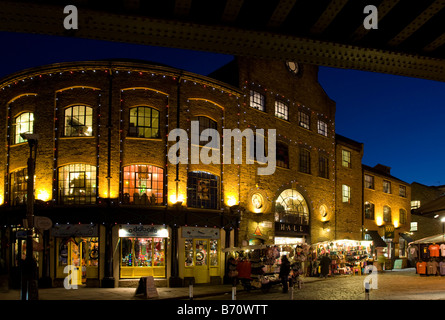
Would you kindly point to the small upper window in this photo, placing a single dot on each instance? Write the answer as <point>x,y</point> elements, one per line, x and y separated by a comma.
<point>282,155</point>
<point>346,193</point>
<point>402,191</point>
<point>281,110</point>
<point>79,121</point>
<point>322,128</point>
<point>369,182</point>
<point>346,158</point>
<point>144,122</point>
<point>257,100</point>
<point>387,214</point>
<point>415,204</point>
<point>304,120</point>
<point>386,186</point>
<point>24,123</point>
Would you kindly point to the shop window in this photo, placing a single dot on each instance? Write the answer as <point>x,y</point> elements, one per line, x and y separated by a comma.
<point>369,210</point>
<point>386,186</point>
<point>369,182</point>
<point>346,158</point>
<point>304,119</point>
<point>346,193</point>
<point>206,123</point>
<point>24,123</point>
<point>323,167</point>
<point>402,216</point>
<point>144,122</point>
<point>142,257</point>
<point>282,155</point>
<point>305,161</point>
<point>202,190</point>
<point>291,207</point>
<point>77,184</point>
<point>19,186</point>
<point>201,252</point>
<point>281,110</point>
<point>387,214</point>
<point>322,128</point>
<point>257,100</point>
<point>143,184</point>
<point>78,121</point>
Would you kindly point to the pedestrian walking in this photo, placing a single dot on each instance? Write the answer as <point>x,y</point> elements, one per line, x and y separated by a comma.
<point>325,265</point>
<point>284,273</point>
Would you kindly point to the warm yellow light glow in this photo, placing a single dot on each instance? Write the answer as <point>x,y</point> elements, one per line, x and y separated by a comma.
<point>174,200</point>
<point>1,199</point>
<point>396,223</point>
<point>43,195</point>
<point>231,201</point>
<point>379,220</point>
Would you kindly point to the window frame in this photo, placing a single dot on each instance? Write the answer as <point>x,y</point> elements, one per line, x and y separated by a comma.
<point>345,193</point>
<point>323,166</point>
<point>282,152</point>
<point>386,186</point>
<point>193,178</point>
<point>403,213</point>
<point>369,184</point>
<point>370,213</point>
<point>346,158</point>
<point>402,194</point>
<point>17,138</point>
<point>206,123</point>
<point>304,120</point>
<point>385,214</point>
<point>281,110</point>
<point>90,197</point>
<point>304,161</point>
<point>84,124</point>
<point>322,130</point>
<point>142,118</point>
<point>257,100</point>
<point>130,184</point>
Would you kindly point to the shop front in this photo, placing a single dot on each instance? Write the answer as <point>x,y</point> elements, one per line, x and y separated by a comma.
<point>201,249</point>
<point>77,252</point>
<point>143,251</point>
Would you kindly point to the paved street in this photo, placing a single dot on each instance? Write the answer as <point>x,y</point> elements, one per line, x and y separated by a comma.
<point>391,285</point>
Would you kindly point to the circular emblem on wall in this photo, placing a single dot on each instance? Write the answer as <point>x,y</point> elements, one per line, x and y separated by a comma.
<point>293,67</point>
<point>257,201</point>
<point>323,211</point>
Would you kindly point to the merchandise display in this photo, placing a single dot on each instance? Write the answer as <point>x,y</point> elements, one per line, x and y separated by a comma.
<point>429,258</point>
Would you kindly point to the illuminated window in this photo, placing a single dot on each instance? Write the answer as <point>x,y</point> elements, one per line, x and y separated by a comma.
<point>386,186</point>
<point>281,110</point>
<point>24,123</point>
<point>257,101</point>
<point>322,128</point>
<point>369,182</point>
<point>323,166</point>
<point>282,155</point>
<point>387,214</point>
<point>413,226</point>
<point>78,121</point>
<point>402,191</point>
<point>304,119</point>
<point>291,207</point>
<point>402,216</point>
<point>144,122</point>
<point>305,161</point>
<point>143,184</point>
<point>415,204</point>
<point>346,193</point>
<point>19,186</point>
<point>77,184</point>
<point>346,158</point>
<point>202,190</point>
<point>369,210</point>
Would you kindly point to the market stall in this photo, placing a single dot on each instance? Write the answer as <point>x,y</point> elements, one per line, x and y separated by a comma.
<point>428,255</point>
<point>346,256</point>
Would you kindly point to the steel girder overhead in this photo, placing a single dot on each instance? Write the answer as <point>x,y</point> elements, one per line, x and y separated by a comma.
<point>409,40</point>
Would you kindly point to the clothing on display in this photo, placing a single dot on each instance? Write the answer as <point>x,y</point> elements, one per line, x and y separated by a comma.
<point>431,258</point>
<point>434,250</point>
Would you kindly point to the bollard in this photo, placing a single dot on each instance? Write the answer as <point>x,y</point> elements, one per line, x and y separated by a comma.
<point>300,283</point>
<point>191,290</point>
<point>234,292</point>
<point>367,286</point>
<point>291,289</point>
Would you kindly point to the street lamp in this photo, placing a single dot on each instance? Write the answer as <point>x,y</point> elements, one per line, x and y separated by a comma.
<point>29,277</point>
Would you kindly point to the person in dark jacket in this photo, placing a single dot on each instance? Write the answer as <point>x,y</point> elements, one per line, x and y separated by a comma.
<point>284,273</point>
<point>325,264</point>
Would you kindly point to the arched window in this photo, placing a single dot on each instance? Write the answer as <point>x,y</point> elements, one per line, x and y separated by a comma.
<point>77,184</point>
<point>402,216</point>
<point>78,121</point>
<point>143,184</point>
<point>144,122</point>
<point>369,210</point>
<point>202,190</point>
<point>291,207</point>
<point>387,214</point>
<point>19,186</point>
<point>23,123</point>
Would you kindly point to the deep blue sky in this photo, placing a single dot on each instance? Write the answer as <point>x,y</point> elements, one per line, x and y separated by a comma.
<point>400,120</point>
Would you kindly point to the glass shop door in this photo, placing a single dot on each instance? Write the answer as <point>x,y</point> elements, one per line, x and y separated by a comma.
<point>201,272</point>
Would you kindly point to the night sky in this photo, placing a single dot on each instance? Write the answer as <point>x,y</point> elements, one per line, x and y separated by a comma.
<point>400,120</point>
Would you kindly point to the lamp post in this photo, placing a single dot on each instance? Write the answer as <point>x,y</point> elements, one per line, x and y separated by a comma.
<point>29,277</point>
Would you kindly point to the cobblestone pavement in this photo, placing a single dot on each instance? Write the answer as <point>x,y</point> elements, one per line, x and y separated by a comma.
<point>391,285</point>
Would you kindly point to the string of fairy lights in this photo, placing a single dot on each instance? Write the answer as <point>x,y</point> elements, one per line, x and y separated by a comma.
<point>237,99</point>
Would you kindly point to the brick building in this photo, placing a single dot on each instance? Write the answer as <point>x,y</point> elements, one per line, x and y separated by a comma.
<point>120,209</point>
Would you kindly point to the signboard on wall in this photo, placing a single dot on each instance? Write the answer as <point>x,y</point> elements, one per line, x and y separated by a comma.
<point>291,229</point>
<point>200,233</point>
<point>75,230</point>
<point>143,231</point>
<point>389,231</point>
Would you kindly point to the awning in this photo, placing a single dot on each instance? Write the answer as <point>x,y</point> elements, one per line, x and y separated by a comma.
<point>378,241</point>
<point>406,237</point>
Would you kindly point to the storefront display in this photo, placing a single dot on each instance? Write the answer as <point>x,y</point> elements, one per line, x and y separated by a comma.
<point>143,251</point>
<point>428,255</point>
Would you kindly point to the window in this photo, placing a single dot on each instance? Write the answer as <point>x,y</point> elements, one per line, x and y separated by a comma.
<point>369,182</point>
<point>413,226</point>
<point>323,167</point>
<point>291,207</point>
<point>387,214</point>
<point>206,123</point>
<point>143,184</point>
<point>305,161</point>
<point>304,120</point>
<point>402,191</point>
<point>257,101</point>
<point>402,216</point>
<point>24,123</point>
<point>415,204</point>
<point>19,186</point>
<point>369,210</point>
<point>144,122</point>
<point>77,184</point>
<point>282,155</point>
<point>322,128</point>
<point>386,186</point>
<point>281,110</point>
<point>78,121</point>
<point>346,158</point>
<point>346,193</point>
<point>202,190</point>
